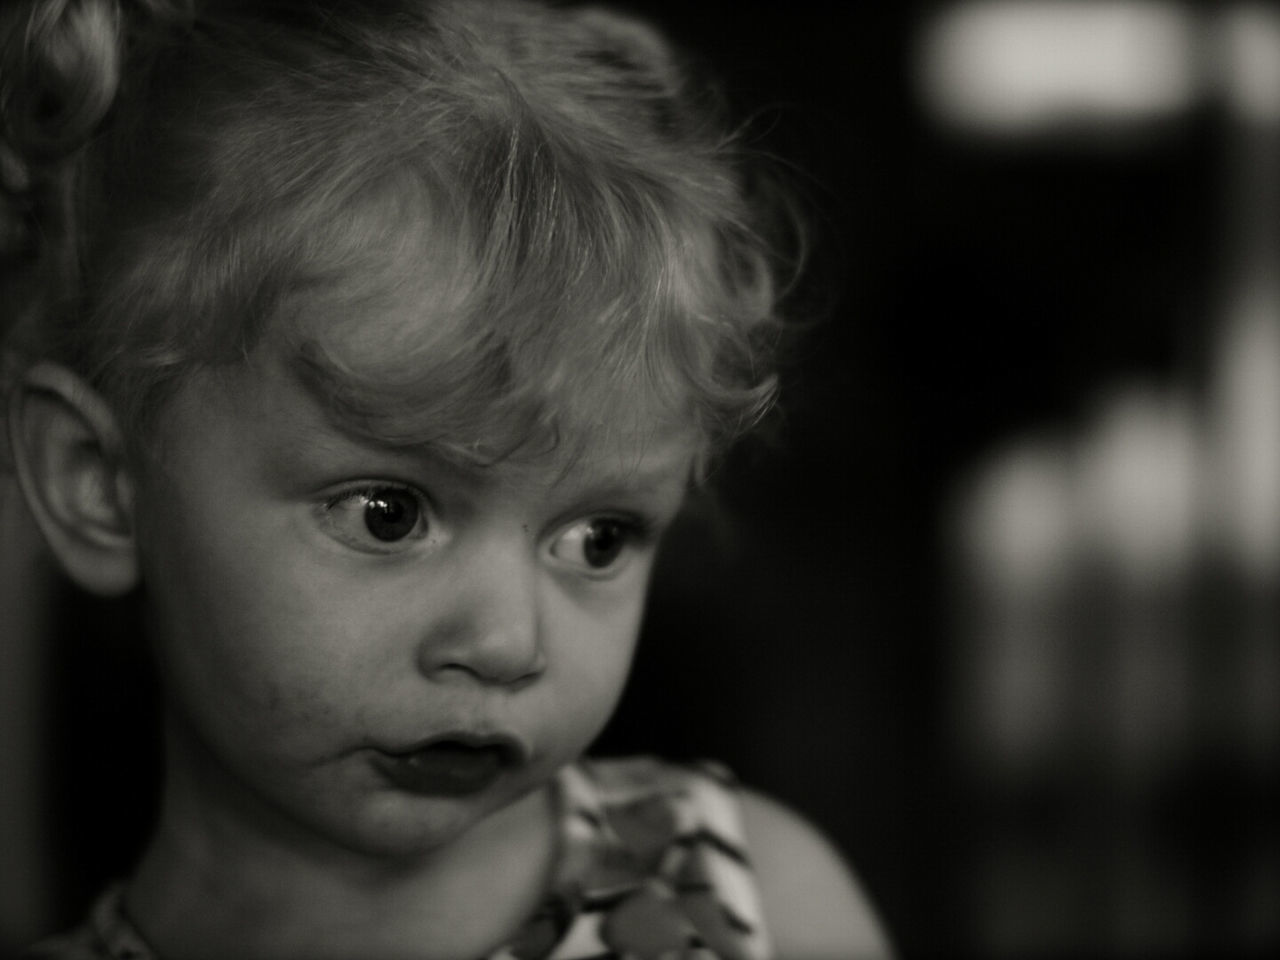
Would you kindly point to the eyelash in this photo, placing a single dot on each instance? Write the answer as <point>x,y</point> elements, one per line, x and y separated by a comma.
<point>637,532</point>
<point>368,493</point>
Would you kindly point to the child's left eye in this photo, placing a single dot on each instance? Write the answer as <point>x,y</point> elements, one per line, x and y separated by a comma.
<point>377,518</point>
<point>598,543</point>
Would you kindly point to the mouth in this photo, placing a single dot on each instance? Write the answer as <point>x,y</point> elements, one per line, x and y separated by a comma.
<point>450,765</point>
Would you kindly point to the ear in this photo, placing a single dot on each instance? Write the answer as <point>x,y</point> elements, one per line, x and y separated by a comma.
<point>70,463</point>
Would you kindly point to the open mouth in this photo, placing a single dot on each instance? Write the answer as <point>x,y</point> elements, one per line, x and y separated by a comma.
<point>449,766</point>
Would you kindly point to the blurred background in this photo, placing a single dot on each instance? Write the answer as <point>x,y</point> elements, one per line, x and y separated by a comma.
<point>1000,609</point>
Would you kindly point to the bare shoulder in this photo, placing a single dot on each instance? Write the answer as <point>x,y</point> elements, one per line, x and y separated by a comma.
<point>813,905</point>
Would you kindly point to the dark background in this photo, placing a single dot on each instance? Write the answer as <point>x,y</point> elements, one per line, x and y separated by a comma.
<point>984,289</point>
<point>800,628</point>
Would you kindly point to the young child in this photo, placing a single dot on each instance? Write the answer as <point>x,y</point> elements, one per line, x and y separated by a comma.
<point>376,342</point>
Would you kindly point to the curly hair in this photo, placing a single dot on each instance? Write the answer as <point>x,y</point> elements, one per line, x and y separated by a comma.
<point>549,203</point>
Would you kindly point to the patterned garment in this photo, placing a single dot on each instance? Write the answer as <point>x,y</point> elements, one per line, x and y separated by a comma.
<point>652,867</point>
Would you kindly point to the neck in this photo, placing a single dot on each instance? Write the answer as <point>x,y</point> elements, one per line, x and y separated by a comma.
<point>221,878</point>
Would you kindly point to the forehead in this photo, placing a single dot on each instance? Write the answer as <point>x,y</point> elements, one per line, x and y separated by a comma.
<point>426,364</point>
<point>268,406</point>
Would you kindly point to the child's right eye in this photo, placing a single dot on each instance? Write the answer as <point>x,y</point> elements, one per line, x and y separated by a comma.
<point>376,518</point>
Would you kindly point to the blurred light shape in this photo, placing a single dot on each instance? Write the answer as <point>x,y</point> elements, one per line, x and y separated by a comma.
<point>1018,519</point>
<point>1248,59</point>
<point>1016,544</point>
<point>1029,66</point>
<point>1147,672</point>
<point>1021,694</point>
<point>1138,480</point>
<point>1245,486</point>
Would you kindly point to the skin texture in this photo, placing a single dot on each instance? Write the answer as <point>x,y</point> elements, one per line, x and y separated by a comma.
<point>815,909</point>
<point>295,649</point>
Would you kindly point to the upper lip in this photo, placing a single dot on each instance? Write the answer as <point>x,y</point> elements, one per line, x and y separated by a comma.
<point>512,748</point>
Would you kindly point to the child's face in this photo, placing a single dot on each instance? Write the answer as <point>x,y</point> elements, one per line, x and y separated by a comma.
<point>324,607</point>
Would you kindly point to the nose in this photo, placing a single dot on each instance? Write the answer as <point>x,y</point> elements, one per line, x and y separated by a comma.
<point>488,627</point>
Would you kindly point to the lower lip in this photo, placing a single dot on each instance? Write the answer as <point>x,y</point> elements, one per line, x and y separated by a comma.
<point>443,770</point>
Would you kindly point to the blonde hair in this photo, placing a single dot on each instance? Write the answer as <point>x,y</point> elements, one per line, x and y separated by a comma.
<point>552,192</point>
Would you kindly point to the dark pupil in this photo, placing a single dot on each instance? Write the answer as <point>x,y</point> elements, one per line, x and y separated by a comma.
<point>603,543</point>
<point>389,515</point>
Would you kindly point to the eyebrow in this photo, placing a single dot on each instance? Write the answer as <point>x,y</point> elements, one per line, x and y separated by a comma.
<point>659,471</point>
<point>323,385</point>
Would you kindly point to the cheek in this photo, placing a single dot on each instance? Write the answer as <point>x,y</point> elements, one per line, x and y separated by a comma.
<point>593,646</point>
<point>239,623</point>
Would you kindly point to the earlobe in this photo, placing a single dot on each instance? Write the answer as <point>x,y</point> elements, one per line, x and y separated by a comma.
<point>71,465</point>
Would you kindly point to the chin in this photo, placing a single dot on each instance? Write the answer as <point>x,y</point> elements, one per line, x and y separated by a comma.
<point>397,826</point>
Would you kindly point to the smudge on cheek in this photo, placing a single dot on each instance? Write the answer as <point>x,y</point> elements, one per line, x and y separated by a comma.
<point>299,702</point>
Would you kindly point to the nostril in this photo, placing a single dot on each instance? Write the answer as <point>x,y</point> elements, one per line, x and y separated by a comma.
<point>483,658</point>
<point>489,627</point>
